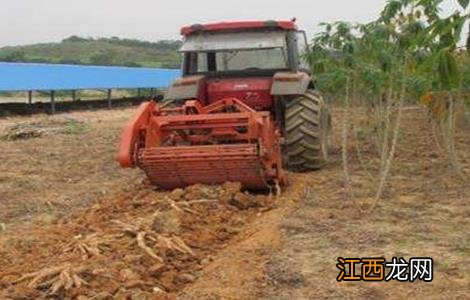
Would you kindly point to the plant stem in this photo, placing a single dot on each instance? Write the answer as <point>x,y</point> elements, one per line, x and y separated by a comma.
<point>396,132</point>
<point>385,141</point>
<point>344,139</point>
<point>449,135</point>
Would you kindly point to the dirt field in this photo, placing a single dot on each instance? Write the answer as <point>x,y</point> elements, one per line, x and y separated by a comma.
<point>73,225</point>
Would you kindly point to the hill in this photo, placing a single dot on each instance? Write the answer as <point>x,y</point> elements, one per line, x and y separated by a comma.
<point>99,51</point>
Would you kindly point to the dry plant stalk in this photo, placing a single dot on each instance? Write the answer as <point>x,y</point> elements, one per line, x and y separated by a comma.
<point>344,140</point>
<point>359,154</point>
<point>179,209</point>
<point>435,133</point>
<point>442,113</point>
<point>388,113</point>
<point>396,131</point>
<point>202,201</point>
<point>449,135</point>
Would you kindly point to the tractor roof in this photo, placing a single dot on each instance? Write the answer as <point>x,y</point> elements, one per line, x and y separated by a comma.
<point>239,25</point>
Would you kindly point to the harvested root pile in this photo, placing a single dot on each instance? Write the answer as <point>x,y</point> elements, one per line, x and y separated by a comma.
<point>30,130</point>
<point>56,278</point>
<point>148,244</point>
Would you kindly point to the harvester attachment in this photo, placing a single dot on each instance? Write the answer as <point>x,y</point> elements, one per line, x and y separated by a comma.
<point>224,141</point>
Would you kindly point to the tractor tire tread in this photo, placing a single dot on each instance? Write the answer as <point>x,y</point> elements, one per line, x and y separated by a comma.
<point>307,128</point>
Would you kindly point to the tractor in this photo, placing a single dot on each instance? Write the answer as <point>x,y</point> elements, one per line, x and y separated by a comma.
<point>245,110</point>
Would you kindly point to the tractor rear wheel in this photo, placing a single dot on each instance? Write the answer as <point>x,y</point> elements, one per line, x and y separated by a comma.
<point>307,128</point>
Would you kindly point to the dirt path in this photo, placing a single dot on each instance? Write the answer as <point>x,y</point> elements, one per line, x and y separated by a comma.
<point>95,232</point>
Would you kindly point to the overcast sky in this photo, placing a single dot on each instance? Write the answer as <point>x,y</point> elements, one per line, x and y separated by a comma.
<point>35,21</point>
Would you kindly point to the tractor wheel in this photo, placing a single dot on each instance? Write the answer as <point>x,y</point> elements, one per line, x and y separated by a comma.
<point>307,128</point>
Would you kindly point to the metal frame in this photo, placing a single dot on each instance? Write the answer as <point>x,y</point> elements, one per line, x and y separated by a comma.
<point>224,141</point>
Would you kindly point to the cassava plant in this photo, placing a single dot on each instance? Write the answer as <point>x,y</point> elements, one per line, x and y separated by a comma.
<point>409,50</point>
<point>334,49</point>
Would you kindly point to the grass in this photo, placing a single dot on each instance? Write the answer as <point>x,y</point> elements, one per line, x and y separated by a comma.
<point>74,127</point>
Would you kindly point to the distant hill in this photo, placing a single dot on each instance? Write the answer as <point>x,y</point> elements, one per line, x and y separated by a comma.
<point>100,51</point>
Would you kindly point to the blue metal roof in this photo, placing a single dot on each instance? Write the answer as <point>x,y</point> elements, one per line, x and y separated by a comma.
<point>36,77</point>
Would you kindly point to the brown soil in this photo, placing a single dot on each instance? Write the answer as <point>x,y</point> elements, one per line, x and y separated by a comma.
<point>76,226</point>
<point>64,162</point>
<point>137,242</point>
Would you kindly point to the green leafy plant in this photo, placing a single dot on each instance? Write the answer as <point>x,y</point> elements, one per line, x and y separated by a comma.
<point>407,52</point>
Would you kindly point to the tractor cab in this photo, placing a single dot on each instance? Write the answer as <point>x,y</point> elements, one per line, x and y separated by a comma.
<point>242,49</point>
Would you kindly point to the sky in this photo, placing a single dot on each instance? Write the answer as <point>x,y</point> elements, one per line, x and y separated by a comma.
<point>40,21</point>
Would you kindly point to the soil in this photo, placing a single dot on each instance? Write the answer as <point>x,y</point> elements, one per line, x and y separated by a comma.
<point>76,226</point>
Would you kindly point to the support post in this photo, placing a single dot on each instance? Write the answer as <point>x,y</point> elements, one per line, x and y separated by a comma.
<point>109,99</point>
<point>152,93</point>
<point>139,93</point>
<point>74,95</point>
<point>52,102</point>
<point>30,101</point>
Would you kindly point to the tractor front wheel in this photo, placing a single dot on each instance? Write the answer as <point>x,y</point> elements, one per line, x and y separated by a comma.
<point>307,129</point>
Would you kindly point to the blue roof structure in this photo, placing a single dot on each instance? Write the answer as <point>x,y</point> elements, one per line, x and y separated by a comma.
<point>37,77</point>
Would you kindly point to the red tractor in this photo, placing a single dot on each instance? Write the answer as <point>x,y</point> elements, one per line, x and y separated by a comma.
<point>244,110</point>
